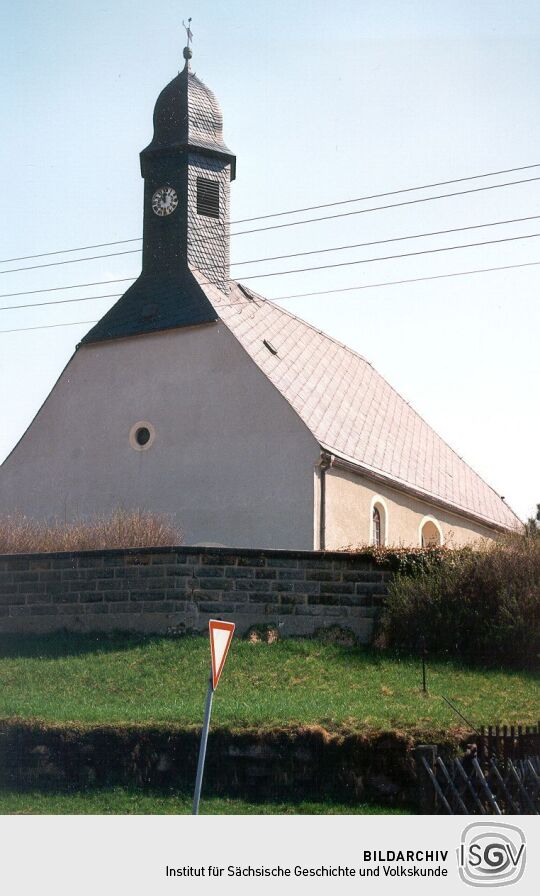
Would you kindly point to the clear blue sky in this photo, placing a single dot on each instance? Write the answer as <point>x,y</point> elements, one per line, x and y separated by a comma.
<point>321,102</point>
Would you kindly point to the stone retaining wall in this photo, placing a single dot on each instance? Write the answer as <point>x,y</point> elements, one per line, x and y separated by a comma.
<point>179,589</point>
<point>304,762</point>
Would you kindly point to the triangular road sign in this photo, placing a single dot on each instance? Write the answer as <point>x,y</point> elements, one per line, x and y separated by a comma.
<point>220,640</point>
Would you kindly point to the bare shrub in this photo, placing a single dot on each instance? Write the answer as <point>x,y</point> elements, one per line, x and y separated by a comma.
<point>121,529</point>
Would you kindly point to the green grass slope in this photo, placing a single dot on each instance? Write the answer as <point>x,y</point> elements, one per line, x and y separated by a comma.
<point>128,679</point>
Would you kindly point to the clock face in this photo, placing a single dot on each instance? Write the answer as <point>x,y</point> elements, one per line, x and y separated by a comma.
<point>164,201</point>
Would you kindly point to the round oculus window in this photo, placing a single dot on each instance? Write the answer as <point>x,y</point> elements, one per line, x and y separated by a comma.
<point>142,435</point>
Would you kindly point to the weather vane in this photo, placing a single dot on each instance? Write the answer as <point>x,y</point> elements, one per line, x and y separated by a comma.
<point>188,30</point>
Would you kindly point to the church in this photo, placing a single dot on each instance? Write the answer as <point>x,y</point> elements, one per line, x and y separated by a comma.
<point>197,398</point>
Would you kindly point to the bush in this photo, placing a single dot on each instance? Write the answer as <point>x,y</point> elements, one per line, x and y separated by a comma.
<point>395,558</point>
<point>480,605</point>
<point>121,529</point>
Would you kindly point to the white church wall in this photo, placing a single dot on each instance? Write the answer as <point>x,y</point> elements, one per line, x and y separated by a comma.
<point>349,507</point>
<point>229,458</point>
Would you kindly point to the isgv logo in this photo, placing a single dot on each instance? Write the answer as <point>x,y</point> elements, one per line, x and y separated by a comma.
<point>491,854</point>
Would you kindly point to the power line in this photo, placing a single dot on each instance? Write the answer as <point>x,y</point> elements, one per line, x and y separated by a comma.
<point>337,248</point>
<point>393,239</point>
<point>378,208</point>
<point>293,211</point>
<point>343,264</point>
<point>32,292</point>
<point>74,323</point>
<point>441,183</point>
<point>300,295</point>
<point>326,292</point>
<point>53,264</point>
<point>274,273</point>
<point>59,302</point>
<point>136,239</point>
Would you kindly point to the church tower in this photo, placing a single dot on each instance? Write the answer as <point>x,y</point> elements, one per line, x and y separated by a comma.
<point>187,170</point>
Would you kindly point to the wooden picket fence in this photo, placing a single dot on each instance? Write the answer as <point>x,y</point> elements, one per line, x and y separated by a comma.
<point>508,742</point>
<point>499,774</point>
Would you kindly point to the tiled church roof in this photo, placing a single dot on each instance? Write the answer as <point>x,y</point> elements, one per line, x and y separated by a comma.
<point>350,408</point>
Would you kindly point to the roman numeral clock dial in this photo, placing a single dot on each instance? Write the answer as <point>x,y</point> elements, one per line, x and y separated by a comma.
<point>164,201</point>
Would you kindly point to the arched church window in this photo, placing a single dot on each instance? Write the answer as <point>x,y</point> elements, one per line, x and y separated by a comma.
<point>376,527</point>
<point>430,533</point>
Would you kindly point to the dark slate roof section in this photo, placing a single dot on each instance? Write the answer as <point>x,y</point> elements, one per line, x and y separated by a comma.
<point>154,303</point>
<point>187,114</point>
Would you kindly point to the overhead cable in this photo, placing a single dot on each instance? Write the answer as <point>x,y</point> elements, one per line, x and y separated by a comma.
<point>343,264</point>
<point>301,295</point>
<point>298,254</point>
<point>309,208</point>
<point>378,208</point>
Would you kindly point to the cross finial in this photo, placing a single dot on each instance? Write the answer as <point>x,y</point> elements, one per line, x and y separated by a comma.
<point>188,31</point>
<point>187,50</point>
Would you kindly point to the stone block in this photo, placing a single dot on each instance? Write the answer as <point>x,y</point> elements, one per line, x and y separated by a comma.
<point>322,575</point>
<point>316,562</point>
<point>208,572</point>
<point>96,609</point>
<point>150,572</point>
<point>251,585</point>
<point>215,584</point>
<point>337,588</point>
<point>168,558</point>
<point>261,597</point>
<point>29,576</point>
<point>240,572</point>
<point>147,596</point>
<point>207,607</point>
<point>40,564</point>
<point>357,576</point>
<point>251,561</point>
<point>12,598</point>
<point>138,559</point>
<point>282,563</point>
<point>327,600</point>
<point>63,597</point>
<point>44,610</point>
<point>306,587</point>
<point>165,606</point>
<point>91,562</point>
<point>266,573</point>
<point>291,574</point>
<point>127,607</point>
<point>85,585</point>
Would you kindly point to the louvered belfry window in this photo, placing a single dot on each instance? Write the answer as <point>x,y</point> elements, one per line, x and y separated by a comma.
<point>207,197</point>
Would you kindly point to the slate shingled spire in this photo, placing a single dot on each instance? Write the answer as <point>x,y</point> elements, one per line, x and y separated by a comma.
<point>187,169</point>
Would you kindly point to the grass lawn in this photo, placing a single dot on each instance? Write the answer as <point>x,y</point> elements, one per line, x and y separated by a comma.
<point>129,801</point>
<point>115,679</point>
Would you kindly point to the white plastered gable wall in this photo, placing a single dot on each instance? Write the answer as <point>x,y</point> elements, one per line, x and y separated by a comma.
<point>230,460</point>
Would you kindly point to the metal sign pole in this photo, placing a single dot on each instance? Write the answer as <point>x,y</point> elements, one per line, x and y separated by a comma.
<point>202,748</point>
